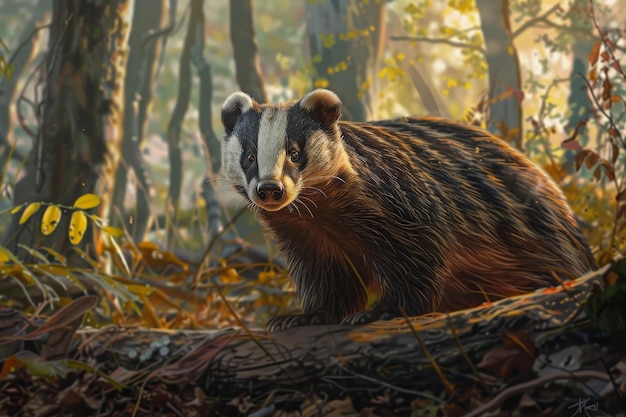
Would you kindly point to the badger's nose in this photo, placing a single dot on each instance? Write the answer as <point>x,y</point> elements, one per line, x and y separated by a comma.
<point>271,188</point>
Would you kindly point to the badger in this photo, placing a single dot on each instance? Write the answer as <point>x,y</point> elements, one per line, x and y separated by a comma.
<point>424,213</point>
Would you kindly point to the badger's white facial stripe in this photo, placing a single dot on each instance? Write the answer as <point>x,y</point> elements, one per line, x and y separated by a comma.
<point>231,160</point>
<point>271,143</point>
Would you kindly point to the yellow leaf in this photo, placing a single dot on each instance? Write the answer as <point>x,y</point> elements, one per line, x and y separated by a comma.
<point>230,276</point>
<point>321,83</point>
<point>113,231</point>
<point>140,289</point>
<point>16,209</point>
<point>87,201</point>
<point>78,225</point>
<point>50,219</point>
<point>147,245</point>
<point>5,255</point>
<point>266,277</point>
<point>28,212</point>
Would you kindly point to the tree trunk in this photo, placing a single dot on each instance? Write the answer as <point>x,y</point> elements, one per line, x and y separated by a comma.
<point>505,89</point>
<point>193,40</point>
<point>346,40</point>
<point>78,143</point>
<point>245,50</point>
<point>578,102</point>
<point>145,44</point>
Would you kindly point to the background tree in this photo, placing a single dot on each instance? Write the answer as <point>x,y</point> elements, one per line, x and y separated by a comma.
<point>580,109</point>
<point>505,82</point>
<point>20,60</point>
<point>145,43</point>
<point>245,50</point>
<point>346,38</point>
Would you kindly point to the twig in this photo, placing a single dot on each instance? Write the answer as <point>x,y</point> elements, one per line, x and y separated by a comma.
<point>384,384</point>
<point>25,42</point>
<point>533,21</point>
<point>520,388</point>
<point>446,41</point>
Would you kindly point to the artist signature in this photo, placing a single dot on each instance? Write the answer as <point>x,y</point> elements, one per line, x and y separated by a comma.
<point>584,407</point>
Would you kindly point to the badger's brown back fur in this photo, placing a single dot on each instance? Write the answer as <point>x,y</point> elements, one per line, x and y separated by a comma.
<point>427,213</point>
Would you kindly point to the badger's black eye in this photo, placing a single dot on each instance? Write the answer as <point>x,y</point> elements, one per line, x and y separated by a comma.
<point>250,157</point>
<point>294,156</point>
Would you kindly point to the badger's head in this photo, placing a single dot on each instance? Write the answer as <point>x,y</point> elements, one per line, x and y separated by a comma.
<point>270,153</point>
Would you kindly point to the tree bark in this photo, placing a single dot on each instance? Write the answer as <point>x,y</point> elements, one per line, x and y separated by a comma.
<point>143,60</point>
<point>505,85</point>
<point>245,50</point>
<point>346,41</point>
<point>77,149</point>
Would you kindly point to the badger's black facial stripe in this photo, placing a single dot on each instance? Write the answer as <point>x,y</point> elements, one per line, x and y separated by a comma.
<point>246,130</point>
<point>300,127</point>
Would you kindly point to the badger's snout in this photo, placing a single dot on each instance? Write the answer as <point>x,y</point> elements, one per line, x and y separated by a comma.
<point>269,194</point>
<point>270,191</point>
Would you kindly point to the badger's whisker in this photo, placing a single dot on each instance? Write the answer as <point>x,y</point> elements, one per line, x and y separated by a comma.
<point>306,198</point>
<point>294,206</point>
<point>317,190</point>
<point>305,206</point>
<point>215,179</point>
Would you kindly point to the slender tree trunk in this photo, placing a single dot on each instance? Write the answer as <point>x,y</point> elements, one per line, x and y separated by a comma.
<point>29,42</point>
<point>346,39</point>
<point>145,44</point>
<point>193,39</point>
<point>505,89</point>
<point>245,50</point>
<point>78,144</point>
<point>578,103</point>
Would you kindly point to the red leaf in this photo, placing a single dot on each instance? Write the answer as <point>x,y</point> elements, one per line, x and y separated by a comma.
<point>571,144</point>
<point>580,158</point>
<point>605,56</point>
<point>592,159</point>
<point>593,55</point>
<point>609,170</point>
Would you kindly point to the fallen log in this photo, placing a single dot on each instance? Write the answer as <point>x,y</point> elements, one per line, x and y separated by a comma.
<point>539,352</point>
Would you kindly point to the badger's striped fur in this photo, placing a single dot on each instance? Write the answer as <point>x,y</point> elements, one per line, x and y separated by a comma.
<point>426,213</point>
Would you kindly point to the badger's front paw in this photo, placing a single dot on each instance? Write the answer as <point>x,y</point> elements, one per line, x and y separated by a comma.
<point>279,323</point>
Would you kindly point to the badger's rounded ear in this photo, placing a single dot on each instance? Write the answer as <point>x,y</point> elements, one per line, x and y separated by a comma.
<point>234,106</point>
<point>324,106</point>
